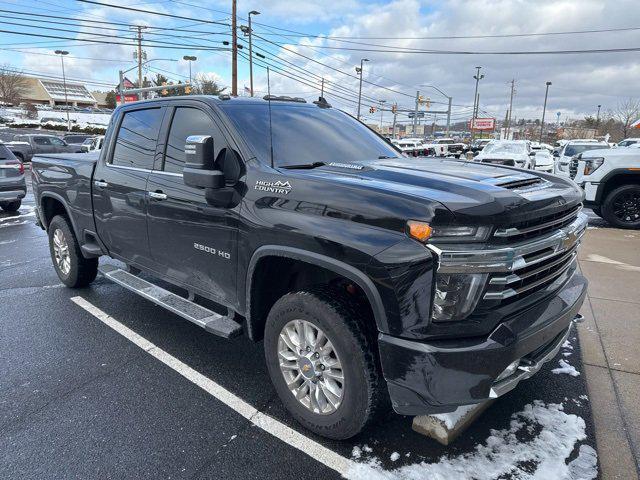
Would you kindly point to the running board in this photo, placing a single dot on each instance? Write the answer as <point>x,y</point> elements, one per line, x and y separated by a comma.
<point>203,317</point>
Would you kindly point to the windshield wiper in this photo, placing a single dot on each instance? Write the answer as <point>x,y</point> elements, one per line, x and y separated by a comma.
<point>307,166</point>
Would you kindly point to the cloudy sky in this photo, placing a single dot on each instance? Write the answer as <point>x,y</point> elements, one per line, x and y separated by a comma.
<point>305,41</point>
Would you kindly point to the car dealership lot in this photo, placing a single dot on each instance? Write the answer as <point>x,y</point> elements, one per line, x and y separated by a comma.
<point>99,383</point>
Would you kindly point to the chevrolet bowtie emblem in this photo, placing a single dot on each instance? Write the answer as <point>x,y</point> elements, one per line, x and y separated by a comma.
<point>306,368</point>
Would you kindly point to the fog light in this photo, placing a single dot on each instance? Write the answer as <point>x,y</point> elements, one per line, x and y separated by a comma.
<point>510,370</point>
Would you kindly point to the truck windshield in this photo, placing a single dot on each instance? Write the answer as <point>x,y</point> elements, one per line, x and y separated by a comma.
<point>572,150</point>
<point>305,134</point>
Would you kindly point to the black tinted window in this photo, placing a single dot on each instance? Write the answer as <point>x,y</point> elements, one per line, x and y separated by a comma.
<point>186,122</point>
<point>137,137</point>
<point>41,141</point>
<point>306,134</point>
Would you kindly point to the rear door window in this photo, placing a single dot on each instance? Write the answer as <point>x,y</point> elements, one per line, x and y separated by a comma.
<point>137,137</point>
<point>41,140</point>
<point>188,121</point>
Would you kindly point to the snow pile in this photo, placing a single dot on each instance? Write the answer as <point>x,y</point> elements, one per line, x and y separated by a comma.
<point>566,367</point>
<point>505,454</point>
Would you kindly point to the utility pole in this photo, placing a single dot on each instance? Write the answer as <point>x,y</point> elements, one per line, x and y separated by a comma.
<point>234,51</point>
<point>382,102</point>
<point>121,86</point>
<point>449,115</point>
<point>360,72</point>
<point>544,110</point>
<point>139,29</point>
<point>322,88</point>
<point>252,12</point>
<point>62,53</point>
<point>395,115</point>
<point>598,119</point>
<point>415,113</point>
<point>476,103</point>
<point>513,82</point>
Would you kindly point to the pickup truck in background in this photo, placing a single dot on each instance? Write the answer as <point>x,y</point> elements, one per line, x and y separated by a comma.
<point>370,277</point>
<point>611,181</point>
<point>40,143</point>
<point>22,150</point>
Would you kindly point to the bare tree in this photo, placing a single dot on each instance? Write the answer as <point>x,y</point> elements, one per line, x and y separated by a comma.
<point>13,85</point>
<point>207,85</point>
<point>627,112</point>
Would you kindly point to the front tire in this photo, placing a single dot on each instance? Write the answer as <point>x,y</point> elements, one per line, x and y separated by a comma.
<point>621,207</point>
<point>11,206</point>
<point>72,268</point>
<point>322,363</point>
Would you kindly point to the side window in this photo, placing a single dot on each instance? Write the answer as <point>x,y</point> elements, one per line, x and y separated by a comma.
<point>186,122</point>
<point>56,141</point>
<point>41,141</point>
<point>137,137</point>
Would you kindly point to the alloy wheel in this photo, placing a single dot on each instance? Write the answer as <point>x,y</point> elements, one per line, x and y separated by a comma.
<point>61,252</point>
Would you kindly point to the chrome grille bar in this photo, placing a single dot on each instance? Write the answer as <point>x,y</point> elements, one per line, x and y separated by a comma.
<point>515,277</point>
<point>513,231</point>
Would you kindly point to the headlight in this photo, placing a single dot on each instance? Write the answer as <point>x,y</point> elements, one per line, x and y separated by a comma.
<point>457,294</point>
<point>592,164</point>
<point>459,234</point>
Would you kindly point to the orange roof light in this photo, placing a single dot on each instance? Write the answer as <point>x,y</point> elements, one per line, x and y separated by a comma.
<point>420,231</point>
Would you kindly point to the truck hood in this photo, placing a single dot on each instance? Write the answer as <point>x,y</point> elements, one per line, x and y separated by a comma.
<point>473,192</point>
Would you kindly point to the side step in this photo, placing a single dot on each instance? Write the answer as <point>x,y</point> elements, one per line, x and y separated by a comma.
<point>203,317</point>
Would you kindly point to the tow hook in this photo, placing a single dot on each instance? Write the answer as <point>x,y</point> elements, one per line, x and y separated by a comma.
<point>578,318</point>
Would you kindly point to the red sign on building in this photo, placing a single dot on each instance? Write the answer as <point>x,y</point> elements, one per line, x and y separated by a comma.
<point>127,84</point>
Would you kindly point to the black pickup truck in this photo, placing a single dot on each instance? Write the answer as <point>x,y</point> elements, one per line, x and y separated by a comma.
<point>371,277</point>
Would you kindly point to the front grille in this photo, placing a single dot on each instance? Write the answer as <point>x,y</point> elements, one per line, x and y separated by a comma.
<point>538,226</point>
<point>573,167</point>
<point>539,271</point>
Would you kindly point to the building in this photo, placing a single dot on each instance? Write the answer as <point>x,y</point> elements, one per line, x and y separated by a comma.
<point>52,92</point>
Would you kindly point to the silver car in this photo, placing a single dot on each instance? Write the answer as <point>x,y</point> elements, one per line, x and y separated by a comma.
<point>13,187</point>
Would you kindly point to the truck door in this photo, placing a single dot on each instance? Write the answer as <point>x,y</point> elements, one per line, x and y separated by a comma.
<point>42,144</point>
<point>120,184</point>
<point>190,240</point>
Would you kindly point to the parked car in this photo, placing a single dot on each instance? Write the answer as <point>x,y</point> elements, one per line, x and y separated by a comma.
<point>543,160</point>
<point>413,147</point>
<point>478,144</point>
<point>453,147</point>
<point>628,142</point>
<point>513,153</point>
<point>93,144</point>
<point>22,150</point>
<point>47,144</point>
<point>611,182</point>
<point>368,277</point>
<point>569,150</point>
<point>76,138</point>
<point>13,187</point>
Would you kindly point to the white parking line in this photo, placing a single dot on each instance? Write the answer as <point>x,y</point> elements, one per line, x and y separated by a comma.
<point>270,425</point>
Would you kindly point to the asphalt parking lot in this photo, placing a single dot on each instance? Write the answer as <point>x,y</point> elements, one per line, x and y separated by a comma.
<point>100,383</point>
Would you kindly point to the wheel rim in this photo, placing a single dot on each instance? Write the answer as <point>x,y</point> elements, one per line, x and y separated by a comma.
<point>626,207</point>
<point>61,252</point>
<point>311,367</point>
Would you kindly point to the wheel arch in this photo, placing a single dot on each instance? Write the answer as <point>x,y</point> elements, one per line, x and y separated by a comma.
<point>256,317</point>
<point>52,204</point>
<point>614,179</point>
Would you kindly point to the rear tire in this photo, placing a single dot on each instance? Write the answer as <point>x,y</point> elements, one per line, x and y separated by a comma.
<point>11,206</point>
<point>621,207</point>
<point>362,393</point>
<point>72,268</point>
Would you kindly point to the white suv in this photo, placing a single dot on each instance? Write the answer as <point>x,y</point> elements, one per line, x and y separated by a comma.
<point>571,149</point>
<point>611,182</point>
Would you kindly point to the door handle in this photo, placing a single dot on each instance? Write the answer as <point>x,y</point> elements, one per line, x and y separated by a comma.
<point>158,195</point>
<point>101,183</point>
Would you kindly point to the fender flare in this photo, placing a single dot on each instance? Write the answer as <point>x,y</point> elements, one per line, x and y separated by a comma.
<point>65,205</point>
<point>337,266</point>
<point>621,172</point>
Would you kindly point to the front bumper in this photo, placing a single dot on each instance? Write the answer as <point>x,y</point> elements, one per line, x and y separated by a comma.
<point>440,375</point>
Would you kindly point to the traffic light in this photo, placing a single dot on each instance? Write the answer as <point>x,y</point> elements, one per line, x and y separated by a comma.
<point>394,108</point>
<point>187,90</point>
<point>164,91</point>
<point>372,109</point>
<point>427,103</point>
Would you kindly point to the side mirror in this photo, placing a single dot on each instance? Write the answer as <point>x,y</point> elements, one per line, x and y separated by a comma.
<point>198,168</point>
<point>556,153</point>
<point>532,153</point>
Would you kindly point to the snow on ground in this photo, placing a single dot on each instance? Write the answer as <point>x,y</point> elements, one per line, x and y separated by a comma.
<point>505,455</point>
<point>566,367</point>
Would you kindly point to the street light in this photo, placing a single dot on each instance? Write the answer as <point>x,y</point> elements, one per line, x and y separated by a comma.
<point>190,58</point>
<point>598,119</point>
<point>360,72</point>
<point>62,53</point>
<point>476,105</point>
<point>252,12</point>
<point>544,110</point>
